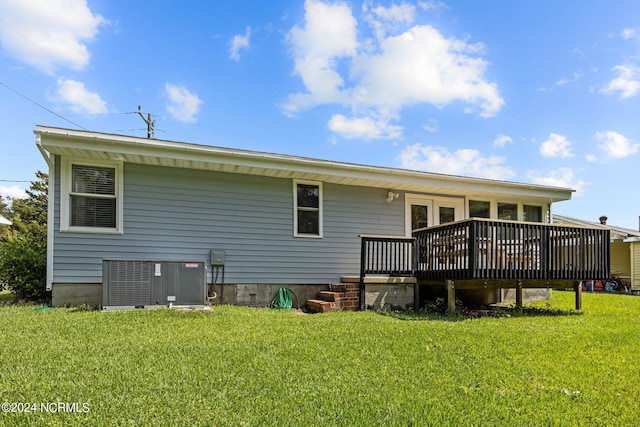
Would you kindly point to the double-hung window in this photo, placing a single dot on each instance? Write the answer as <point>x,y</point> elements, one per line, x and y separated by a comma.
<point>307,203</point>
<point>91,197</point>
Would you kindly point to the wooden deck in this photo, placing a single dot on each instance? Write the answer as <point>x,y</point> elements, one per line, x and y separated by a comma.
<point>476,253</point>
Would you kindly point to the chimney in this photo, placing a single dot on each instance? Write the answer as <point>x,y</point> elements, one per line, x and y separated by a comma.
<point>603,220</point>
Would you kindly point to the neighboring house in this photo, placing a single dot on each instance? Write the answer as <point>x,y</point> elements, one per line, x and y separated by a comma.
<point>255,221</point>
<point>4,221</point>
<point>625,248</point>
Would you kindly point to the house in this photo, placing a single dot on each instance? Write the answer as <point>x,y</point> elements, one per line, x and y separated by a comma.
<point>131,216</point>
<point>625,248</point>
<point>4,221</point>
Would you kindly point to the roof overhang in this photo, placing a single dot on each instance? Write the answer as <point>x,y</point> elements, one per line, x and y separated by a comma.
<point>102,146</point>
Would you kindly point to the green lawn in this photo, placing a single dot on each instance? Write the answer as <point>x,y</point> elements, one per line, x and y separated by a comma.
<point>242,366</point>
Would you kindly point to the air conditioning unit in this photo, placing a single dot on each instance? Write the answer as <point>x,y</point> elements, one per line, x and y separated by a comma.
<point>143,283</point>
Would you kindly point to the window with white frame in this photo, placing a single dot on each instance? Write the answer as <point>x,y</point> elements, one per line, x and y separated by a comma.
<point>307,204</point>
<point>91,197</point>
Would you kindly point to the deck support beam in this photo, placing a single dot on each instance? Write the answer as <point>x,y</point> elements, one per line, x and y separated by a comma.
<point>519,296</point>
<point>451,296</point>
<point>577,287</point>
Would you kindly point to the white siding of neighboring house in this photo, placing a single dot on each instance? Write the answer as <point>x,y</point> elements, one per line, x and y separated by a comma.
<point>635,265</point>
<point>4,221</point>
<point>621,260</point>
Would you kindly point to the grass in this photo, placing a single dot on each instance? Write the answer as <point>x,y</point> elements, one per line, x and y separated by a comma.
<point>242,366</point>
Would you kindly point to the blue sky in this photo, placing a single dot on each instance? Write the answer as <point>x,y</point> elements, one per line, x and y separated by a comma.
<point>544,92</point>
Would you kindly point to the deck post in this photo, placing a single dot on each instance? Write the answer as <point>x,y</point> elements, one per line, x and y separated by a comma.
<point>451,296</point>
<point>577,287</point>
<point>519,296</point>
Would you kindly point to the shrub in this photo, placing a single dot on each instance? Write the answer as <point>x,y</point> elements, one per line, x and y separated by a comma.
<point>23,246</point>
<point>23,266</point>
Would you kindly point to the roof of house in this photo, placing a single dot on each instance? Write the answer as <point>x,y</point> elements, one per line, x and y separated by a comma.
<point>617,233</point>
<point>4,221</point>
<point>103,146</point>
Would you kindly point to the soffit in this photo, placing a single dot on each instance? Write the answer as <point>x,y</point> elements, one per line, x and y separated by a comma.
<point>91,145</point>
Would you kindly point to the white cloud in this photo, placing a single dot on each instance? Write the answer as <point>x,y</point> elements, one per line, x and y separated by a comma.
<point>562,82</point>
<point>239,43</point>
<point>556,146</point>
<point>183,105</point>
<point>627,82</point>
<point>81,100</point>
<point>383,19</point>
<point>432,5</point>
<point>591,158</point>
<point>421,66</point>
<point>410,66</point>
<point>432,125</point>
<point>574,78</point>
<point>563,177</point>
<point>467,162</point>
<point>364,127</point>
<point>329,34</point>
<point>616,145</point>
<point>502,140</point>
<point>12,191</point>
<point>629,33</point>
<point>49,34</point>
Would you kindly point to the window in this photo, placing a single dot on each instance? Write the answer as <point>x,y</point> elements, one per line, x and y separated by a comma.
<point>91,197</point>
<point>508,211</point>
<point>419,217</point>
<point>479,209</point>
<point>532,213</point>
<point>308,209</point>
<point>447,214</point>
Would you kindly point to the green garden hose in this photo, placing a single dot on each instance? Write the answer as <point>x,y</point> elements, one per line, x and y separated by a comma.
<point>282,299</point>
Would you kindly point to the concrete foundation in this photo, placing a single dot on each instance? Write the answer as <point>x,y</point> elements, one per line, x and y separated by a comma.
<point>528,295</point>
<point>260,295</point>
<point>389,296</point>
<point>72,294</point>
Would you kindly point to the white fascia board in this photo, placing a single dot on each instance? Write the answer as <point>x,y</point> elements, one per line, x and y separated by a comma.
<point>54,139</point>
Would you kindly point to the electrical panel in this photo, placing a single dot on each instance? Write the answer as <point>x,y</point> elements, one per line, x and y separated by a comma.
<point>217,257</point>
<point>135,283</point>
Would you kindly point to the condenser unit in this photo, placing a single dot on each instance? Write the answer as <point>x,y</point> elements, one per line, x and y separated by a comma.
<point>143,283</point>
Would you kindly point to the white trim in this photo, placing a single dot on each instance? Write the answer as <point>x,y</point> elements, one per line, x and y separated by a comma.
<point>295,209</point>
<point>448,202</point>
<point>65,186</point>
<point>176,154</point>
<point>51,205</point>
<point>432,203</point>
<point>416,199</point>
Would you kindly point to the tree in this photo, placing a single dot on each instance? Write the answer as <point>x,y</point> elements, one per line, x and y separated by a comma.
<point>4,230</point>
<point>23,246</point>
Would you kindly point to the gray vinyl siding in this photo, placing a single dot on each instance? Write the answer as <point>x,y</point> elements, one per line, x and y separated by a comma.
<point>181,214</point>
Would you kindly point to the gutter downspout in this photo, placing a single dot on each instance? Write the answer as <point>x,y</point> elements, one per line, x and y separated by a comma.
<point>50,209</point>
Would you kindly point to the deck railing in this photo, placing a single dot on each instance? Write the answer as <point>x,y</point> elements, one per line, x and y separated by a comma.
<point>494,249</point>
<point>385,255</point>
<point>388,255</point>
<point>480,249</point>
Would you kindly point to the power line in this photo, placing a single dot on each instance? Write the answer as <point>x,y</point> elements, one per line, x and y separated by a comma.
<point>148,120</point>
<point>42,106</point>
<point>12,180</point>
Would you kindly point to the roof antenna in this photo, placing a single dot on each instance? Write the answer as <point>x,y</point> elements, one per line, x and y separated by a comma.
<point>150,123</point>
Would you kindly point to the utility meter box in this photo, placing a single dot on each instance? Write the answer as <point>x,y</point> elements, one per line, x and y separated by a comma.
<point>143,283</point>
<point>217,257</point>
